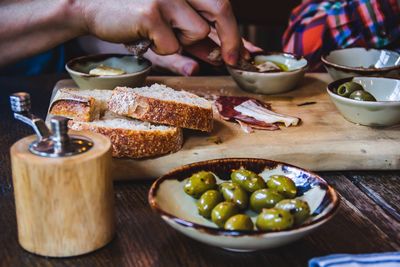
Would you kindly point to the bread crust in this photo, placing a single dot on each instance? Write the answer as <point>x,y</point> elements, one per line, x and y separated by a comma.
<point>68,103</point>
<point>136,143</point>
<point>80,111</point>
<point>161,111</point>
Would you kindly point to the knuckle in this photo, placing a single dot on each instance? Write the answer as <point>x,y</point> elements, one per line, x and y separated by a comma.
<point>222,7</point>
<point>198,33</point>
<point>203,30</point>
<point>173,49</point>
<point>149,11</point>
<point>168,50</point>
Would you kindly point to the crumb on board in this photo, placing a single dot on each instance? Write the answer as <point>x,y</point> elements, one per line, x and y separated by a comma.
<point>215,139</point>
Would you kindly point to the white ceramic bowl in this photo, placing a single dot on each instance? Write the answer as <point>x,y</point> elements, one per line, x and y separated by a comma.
<point>272,82</point>
<point>351,62</point>
<point>136,71</point>
<point>384,112</point>
<point>179,210</point>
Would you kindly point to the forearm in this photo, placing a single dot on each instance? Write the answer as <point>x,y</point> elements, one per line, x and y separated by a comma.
<point>30,27</point>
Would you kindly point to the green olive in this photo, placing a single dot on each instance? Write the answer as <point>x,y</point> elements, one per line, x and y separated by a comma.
<point>264,198</point>
<point>250,181</point>
<point>347,88</point>
<point>283,185</point>
<point>208,201</point>
<point>234,193</point>
<point>199,183</point>
<point>298,208</point>
<point>274,219</point>
<point>362,95</point>
<point>222,212</point>
<point>239,222</point>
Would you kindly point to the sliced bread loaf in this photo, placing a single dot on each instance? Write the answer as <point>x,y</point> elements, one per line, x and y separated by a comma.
<point>161,104</point>
<point>133,138</point>
<point>80,105</point>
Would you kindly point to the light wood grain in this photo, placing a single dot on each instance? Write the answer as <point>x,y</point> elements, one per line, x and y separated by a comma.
<point>324,140</point>
<point>64,205</point>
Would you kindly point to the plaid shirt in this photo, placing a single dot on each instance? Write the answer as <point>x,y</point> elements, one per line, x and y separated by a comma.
<point>319,26</point>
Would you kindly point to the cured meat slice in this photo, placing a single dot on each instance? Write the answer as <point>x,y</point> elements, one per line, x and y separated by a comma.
<point>251,113</point>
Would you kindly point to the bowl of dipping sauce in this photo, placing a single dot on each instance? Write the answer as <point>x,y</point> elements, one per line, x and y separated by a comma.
<point>106,71</point>
<point>269,73</point>
<point>351,62</point>
<point>370,101</point>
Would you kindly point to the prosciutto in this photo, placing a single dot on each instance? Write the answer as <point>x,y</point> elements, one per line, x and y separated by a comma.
<point>252,114</point>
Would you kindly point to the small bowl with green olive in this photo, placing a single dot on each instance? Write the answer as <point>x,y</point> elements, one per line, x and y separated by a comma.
<point>107,71</point>
<point>269,73</point>
<point>243,204</point>
<point>369,101</point>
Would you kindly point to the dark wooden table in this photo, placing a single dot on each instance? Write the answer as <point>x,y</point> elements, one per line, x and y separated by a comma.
<point>368,219</point>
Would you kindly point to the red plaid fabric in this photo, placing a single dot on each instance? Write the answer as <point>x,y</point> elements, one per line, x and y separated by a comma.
<point>319,26</point>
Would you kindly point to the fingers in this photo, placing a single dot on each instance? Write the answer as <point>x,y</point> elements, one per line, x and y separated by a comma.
<point>243,51</point>
<point>161,34</point>
<point>190,25</point>
<point>247,46</point>
<point>176,63</point>
<point>220,13</point>
<point>205,50</point>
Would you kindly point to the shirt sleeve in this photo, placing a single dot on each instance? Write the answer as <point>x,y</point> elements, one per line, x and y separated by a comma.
<point>51,61</point>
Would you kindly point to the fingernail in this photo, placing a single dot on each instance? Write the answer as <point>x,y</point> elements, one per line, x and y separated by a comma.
<point>233,58</point>
<point>188,69</point>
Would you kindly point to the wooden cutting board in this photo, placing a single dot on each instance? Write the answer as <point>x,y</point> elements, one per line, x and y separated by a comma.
<point>324,140</point>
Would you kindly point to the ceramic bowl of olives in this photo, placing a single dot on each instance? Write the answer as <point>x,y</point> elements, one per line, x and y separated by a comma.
<point>359,61</point>
<point>107,71</point>
<point>369,101</point>
<point>269,73</point>
<point>243,204</point>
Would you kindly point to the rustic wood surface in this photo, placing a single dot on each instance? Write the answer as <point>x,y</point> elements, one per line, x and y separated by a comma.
<point>324,141</point>
<point>367,221</point>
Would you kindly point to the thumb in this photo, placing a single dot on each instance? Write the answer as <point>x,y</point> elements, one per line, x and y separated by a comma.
<point>176,63</point>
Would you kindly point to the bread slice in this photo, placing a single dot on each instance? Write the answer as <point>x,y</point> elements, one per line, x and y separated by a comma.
<point>133,138</point>
<point>80,105</point>
<point>161,104</point>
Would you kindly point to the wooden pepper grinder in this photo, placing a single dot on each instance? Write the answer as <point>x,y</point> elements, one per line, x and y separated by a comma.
<point>62,186</point>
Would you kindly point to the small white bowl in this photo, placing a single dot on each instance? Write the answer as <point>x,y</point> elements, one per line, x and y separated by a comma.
<point>351,62</point>
<point>271,82</point>
<point>179,210</point>
<point>136,71</point>
<point>384,112</point>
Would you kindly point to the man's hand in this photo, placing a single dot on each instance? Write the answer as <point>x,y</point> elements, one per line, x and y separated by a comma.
<point>167,23</point>
<point>187,66</point>
<point>175,63</point>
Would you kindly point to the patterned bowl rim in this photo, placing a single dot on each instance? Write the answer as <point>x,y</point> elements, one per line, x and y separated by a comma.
<point>216,231</point>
